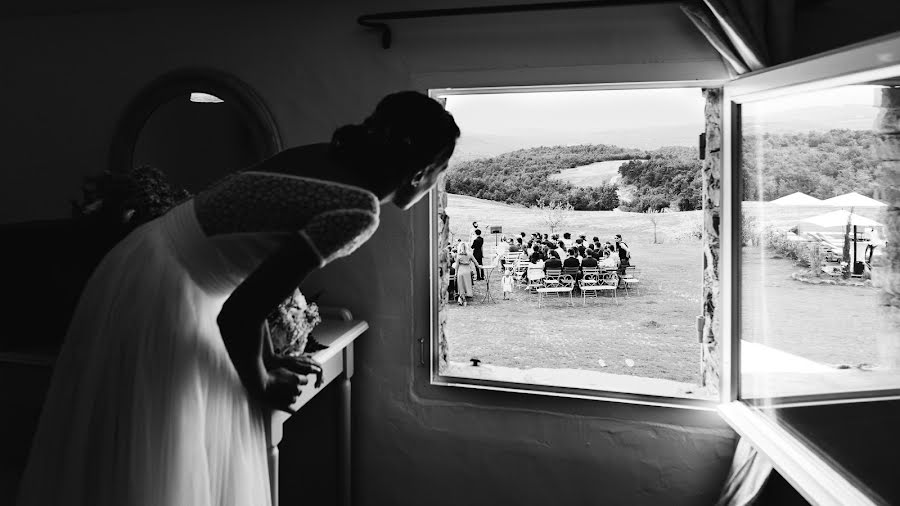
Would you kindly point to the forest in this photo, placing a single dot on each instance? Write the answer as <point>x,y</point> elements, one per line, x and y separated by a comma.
<point>823,164</point>
<point>523,176</point>
<point>820,163</point>
<point>668,178</point>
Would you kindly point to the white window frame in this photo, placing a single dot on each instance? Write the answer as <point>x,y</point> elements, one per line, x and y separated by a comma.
<point>813,476</point>
<point>602,395</point>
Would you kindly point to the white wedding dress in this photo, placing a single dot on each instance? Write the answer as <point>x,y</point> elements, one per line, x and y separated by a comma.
<point>145,406</point>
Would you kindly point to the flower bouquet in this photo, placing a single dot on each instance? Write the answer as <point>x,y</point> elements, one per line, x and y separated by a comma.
<point>291,323</point>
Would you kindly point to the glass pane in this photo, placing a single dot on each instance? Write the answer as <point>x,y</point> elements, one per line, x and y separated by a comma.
<point>816,318</point>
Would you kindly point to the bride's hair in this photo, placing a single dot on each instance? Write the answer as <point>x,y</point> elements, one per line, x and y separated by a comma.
<point>407,131</point>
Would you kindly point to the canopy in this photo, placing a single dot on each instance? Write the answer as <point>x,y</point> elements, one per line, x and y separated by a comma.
<point>840,218</point>
<point>853,199</point>
<point>797,199</point>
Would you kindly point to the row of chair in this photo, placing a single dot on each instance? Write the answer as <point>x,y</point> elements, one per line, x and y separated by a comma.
<point>592,282</point>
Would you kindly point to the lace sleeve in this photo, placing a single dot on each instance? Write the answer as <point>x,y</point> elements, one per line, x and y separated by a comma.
<point>335,234</point>
<point>268,202</point>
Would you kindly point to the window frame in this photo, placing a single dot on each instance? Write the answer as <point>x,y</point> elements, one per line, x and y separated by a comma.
<point>856,64</point>
<point>433,355</point>
<point>809,472</point>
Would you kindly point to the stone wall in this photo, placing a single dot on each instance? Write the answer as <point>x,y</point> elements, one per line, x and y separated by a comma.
<point>887,276</point>
<point>443,258</point>
<point>712,205</point>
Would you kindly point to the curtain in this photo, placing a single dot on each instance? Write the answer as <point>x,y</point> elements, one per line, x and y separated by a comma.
<point>749,34</point>
<point>749,472</point>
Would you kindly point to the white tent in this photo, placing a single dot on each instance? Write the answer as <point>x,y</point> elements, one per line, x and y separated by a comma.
<point>797,199</point>
<point>839,218</point>
<point>837,221</point>
<point>853,199</point>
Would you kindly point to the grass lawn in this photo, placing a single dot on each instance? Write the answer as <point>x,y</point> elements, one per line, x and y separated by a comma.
<point>829,324</point>
<point>654,327</point>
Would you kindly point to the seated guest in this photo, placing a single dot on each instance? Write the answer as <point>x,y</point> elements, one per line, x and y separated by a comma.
<point>566,240</point>
<point>501,251</point>
<point>610,259</point>
<point>536,257</point>
<point>553,262</point>
<point>590,261</point>
<point>560,249</point>
<point>581,250</point>
<point>514,247</point>
<point>572,260</point>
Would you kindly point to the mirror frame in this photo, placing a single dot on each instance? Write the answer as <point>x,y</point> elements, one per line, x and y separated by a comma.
<point>170,85</point>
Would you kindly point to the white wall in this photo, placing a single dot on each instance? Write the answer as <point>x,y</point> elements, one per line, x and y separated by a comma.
<point>65,80</point>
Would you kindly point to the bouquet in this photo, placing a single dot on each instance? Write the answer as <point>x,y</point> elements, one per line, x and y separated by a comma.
<point>291,323</point>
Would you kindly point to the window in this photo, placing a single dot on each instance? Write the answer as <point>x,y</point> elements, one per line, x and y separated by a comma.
<point>810,180</point>
<point>558,175</point>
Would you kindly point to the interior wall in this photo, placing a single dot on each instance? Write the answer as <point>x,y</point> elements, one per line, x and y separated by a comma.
<point>67,78</point>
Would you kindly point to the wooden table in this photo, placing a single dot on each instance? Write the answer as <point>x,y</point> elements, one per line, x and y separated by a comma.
<point>337,332</point>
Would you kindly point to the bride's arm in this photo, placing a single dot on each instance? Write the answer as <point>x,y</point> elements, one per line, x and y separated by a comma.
<point>242,319</point>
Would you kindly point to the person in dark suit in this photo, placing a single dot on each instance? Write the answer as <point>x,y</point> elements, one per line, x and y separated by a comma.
<point>572,259</point>
<point>478,254</point>
<point>553,262</point>
<point>589,262</point>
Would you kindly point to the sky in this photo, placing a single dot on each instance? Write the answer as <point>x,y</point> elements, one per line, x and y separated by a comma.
<point>646,119</point>
<point>664,116</point>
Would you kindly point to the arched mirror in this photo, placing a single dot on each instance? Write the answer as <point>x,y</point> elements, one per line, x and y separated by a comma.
<point>195,125</point>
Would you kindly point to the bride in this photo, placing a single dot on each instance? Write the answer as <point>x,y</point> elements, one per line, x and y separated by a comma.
<point>159,391</point>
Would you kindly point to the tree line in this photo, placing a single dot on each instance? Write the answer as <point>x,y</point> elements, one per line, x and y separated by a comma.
<point>523,176</point>
<point>820,163</point>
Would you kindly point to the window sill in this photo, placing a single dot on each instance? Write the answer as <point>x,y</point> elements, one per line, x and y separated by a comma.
<point>818,481</point>
<point>571,384</point>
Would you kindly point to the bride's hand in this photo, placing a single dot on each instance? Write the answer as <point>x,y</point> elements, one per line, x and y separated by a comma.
<point>302,364</point>
<point>282,388</point>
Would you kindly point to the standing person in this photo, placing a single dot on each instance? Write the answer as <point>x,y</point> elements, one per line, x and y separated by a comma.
<point>472,232</point>
<point>507,282</point>
<point>464,265</point>
<point>478,254</point>
<point>161,391</point>
<point>624,253</point>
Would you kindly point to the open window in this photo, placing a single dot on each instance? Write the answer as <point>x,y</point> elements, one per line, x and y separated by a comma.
<point>810,269</point>
<point>585,205</point>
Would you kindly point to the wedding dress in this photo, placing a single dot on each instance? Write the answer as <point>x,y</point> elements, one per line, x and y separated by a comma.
<point>145,406</point>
